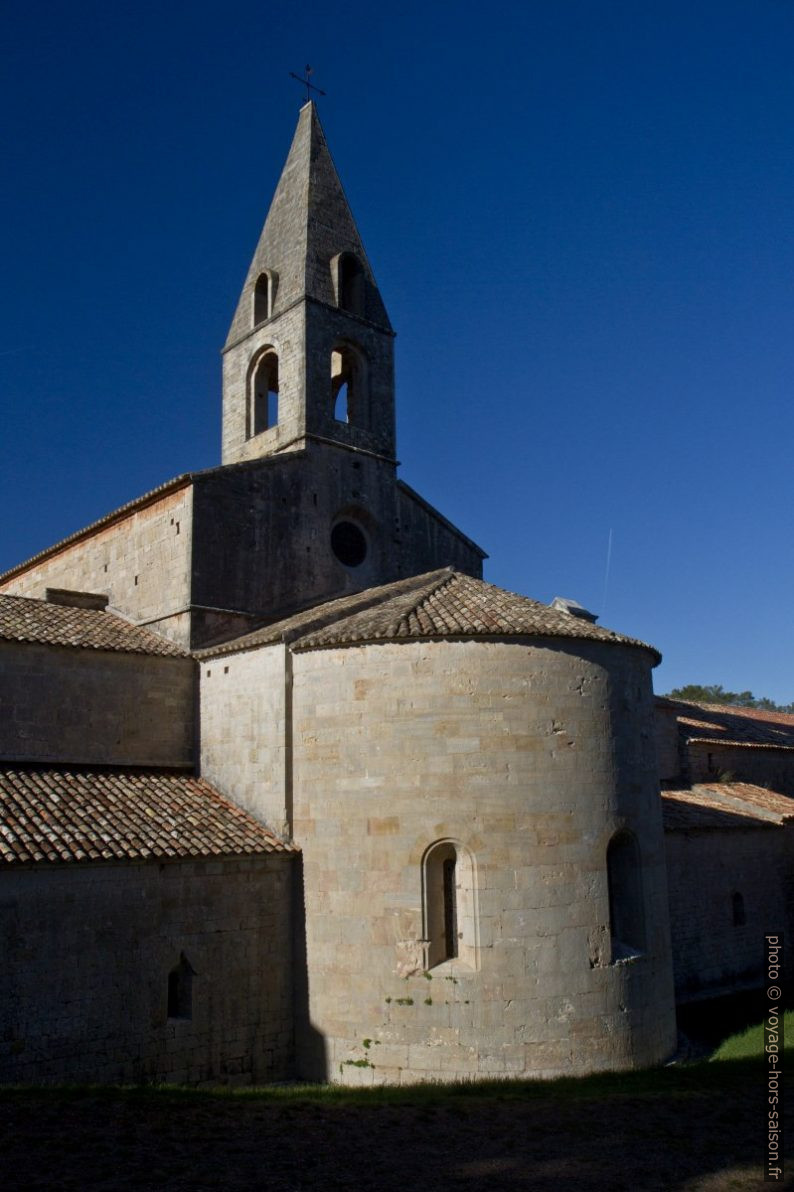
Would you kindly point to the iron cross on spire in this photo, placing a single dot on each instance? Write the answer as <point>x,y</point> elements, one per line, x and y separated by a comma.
<point>309,86</point>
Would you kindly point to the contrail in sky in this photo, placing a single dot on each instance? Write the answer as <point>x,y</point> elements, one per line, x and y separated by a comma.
<point>606,573</point>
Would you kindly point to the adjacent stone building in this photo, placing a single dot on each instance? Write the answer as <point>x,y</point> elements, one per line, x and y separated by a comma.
<point>288,790</point>
<point>727,777</point>
<point>145,920</point>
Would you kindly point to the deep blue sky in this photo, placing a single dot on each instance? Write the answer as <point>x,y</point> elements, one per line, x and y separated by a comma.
<point>580,216</point>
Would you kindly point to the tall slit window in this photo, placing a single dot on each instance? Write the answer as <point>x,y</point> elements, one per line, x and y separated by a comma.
<point>351,284</point>
<point>450,925</point>
<point>450,900</point>
<point>626,909</point>
<point>264,296</point>
<point>180,989</point>
<point>739,914</point>
<point>264,395</point>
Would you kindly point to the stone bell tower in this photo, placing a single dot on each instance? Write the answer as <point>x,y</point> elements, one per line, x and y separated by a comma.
<point>306,505</point>
<point>309,356</point>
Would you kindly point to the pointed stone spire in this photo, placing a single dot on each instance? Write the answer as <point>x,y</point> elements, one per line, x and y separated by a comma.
<point>310,353</point>
<point>308,225</point>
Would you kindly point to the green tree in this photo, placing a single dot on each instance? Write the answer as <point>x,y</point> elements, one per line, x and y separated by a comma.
<point>715,693</point>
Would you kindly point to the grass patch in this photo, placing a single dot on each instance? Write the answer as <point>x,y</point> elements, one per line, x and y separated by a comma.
<point>750,1042</point>
<point>676,1081</point>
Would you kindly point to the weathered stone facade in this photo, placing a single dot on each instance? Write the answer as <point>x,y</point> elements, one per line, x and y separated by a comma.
<point>470,776</point>
<point>719,938</point>
<point>95,706</point>
<point>711,761</point>
<point>528,756</point>
<point>245,716</point>
<point>87,952</point>
<point>523,754</point>
<point>140,557</point>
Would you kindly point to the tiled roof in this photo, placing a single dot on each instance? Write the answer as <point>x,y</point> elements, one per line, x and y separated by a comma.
<point>55,813</point>
<point>439,604</point>
<point>25,620</point>
<point>725,805</point>
<point>727,725</point>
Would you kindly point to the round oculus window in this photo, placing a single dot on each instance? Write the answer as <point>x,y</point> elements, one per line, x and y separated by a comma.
<point>348,544</point>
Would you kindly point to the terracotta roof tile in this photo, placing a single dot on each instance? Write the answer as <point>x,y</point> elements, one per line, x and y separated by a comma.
<point>728,725</point>
<point>293,628</point>
<point>25,620</point>
<point>445,603</point>
<point>71,813</point>
<point>725,805</point>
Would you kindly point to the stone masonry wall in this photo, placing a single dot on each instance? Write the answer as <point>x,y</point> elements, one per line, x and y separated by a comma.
<point>64,704</point>
<point>768,767</point>
<point>425,541</point>
<point>87,949</point>
<point>668,750</point>
<point>711,954</point>
<point>286,336</point>
<point>142,562</point>
<point>263,532</point>
<point>530,755</point>
<point>244,730</point>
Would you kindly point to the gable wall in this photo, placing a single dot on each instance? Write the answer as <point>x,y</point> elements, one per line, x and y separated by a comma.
<point>62,704</point>
<point>424,542</point>
<point>152,545</point>
<point>263,533</point>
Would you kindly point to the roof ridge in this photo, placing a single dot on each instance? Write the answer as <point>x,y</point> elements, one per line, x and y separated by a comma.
<point>455,604</point>
<point>316,617</point>
<point>422,594</point>
<point>376,597</point>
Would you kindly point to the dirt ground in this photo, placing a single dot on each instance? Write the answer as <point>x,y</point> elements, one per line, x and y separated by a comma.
<point>682,1139</point>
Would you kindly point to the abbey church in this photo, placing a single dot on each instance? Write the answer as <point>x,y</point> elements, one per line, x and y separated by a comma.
<point>288,791</point>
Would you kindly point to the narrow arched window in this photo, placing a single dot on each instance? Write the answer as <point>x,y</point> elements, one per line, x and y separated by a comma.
<point>264,295</point>
<point>450,921</point>
<point>264,395</point>
<point>626,909</point>
<point>350,284</point>
<point>739,916</point>
<point>449,898</point>
<point>180,989</point>
<point>349,385</point>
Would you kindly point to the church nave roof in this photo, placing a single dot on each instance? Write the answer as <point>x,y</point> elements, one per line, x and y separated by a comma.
<point>88,813</point>
<point>439,604</point>
<point>24,619</point>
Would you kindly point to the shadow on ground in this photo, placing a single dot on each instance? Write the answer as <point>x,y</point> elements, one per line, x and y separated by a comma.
<point>696,1127</point>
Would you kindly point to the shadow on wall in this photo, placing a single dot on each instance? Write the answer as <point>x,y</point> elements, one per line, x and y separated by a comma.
<point>723,722</point>
<point>311,1052</point>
